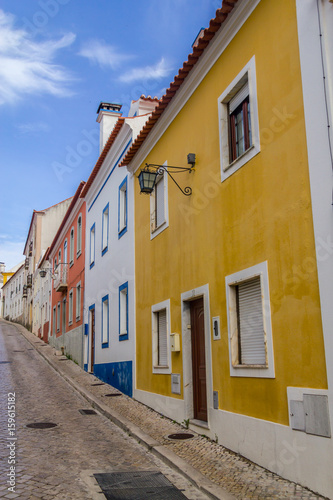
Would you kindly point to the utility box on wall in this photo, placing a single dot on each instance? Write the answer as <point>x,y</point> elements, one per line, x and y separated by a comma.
<point>175,342</point>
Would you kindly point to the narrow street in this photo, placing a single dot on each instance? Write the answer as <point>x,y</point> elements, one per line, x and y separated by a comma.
<point>60,462</point>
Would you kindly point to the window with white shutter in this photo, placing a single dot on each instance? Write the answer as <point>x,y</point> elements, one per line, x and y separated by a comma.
<point>123,312</point>
<point>162,344</point>
<point>161,337</point>
<point>249,323</point>
<point>159,219</point>
<point>159,202</point>
<point>251,336</point>
<point>239,121</point>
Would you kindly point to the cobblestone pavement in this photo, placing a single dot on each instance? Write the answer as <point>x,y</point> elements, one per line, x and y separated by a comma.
<point>59,463</point>
<point>219,466</point>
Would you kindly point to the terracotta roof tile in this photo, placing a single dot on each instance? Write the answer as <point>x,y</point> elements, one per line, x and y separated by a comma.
<point>203,42</point>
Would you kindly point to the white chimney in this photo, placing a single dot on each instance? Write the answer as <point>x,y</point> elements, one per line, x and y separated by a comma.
<point>108,115</point>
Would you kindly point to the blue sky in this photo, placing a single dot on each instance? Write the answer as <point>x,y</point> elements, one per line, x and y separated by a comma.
<point>58,60</point>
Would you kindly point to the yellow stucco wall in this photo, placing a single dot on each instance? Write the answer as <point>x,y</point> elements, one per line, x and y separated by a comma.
<point>261,213</point>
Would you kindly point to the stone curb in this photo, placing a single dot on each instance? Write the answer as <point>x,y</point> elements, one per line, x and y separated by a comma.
<point>167,456</point>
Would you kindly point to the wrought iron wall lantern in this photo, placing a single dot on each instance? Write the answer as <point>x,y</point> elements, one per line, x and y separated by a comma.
<point>43,272</point>
<point>148,175</point>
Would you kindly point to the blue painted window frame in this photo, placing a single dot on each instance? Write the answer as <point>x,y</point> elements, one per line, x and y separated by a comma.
<point>105,344</point>
<point>123,230</point>
<point>123,336</point>
<point>89,316</point>
<point>105,249</point>
<point>92,229</point>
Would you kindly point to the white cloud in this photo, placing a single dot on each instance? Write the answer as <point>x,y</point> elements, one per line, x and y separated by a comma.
<point>160,70</point>
<point>27,128</point>
<point>99,52</point>
<point>26,66</point>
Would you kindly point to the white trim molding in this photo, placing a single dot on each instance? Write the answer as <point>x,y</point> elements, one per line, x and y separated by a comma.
<point>267,371</point>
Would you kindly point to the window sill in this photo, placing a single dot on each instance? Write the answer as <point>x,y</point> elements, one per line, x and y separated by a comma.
<point>238,159</point>
<point>92,265</point>
<point>121,232</point>
<point>78,254</point>
<point>71,263</point>
<point>104,250</point>
<point>261,367</point>
<point>77,318</point>
<point>123,336</point>
<point>105,345</point>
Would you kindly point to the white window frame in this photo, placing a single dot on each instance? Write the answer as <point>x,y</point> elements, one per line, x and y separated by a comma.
<point>122,208</point>
<point>54,318</point>
<point>92,245</point>
<point>123,295</point>
<point>78,301</point>
<point>154,229</point>
<point>79,236</point>
<point>248,73</point>
<point>58,317</point>
<point>165,305</point>
<point>105,229</point>
<point>70,307</point>
<point>71,246</point>
<point>105,321</point>
<point>267,371</point>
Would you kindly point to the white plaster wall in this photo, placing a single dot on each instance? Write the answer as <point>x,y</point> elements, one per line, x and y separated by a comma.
<point>320,171</point>
<point>116,266</point>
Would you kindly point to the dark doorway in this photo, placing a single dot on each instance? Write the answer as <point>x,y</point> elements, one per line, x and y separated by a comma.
<point>198,360</point>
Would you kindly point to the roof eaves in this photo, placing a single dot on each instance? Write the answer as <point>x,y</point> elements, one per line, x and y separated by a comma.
<point>115,131</point>
<point>66,216</point>
<point>208,34</point>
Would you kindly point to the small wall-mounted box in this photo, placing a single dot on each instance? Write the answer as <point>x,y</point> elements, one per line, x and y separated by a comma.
<point>175,342</point>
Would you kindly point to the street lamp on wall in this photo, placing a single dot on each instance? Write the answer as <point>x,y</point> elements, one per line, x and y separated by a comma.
<point>148,175</point>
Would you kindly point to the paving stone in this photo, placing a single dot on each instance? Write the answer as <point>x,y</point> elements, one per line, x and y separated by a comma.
<point>51,463</point>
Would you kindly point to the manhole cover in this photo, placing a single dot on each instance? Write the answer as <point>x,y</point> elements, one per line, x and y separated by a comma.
<point>41,425</point>
<point>180,436</point>
<point>113,394</point>
<point>137,486</point>
<point>99,383</point>
<point>88,412</point>
<point>4,362</point>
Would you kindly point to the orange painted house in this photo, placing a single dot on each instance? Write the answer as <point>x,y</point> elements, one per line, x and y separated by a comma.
<point>66,257</point>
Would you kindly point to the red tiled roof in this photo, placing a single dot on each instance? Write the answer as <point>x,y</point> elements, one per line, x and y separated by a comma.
<point>64,220</point>
<point>203,42</point>
<point>102,156</point>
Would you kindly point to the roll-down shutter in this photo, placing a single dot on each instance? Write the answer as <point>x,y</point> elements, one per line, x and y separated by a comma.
<point>251,323</point>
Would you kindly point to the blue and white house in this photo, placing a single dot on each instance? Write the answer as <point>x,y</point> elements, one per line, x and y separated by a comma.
<point>109,340</point>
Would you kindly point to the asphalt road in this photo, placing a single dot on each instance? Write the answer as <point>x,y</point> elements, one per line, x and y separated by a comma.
<point>59,462</point>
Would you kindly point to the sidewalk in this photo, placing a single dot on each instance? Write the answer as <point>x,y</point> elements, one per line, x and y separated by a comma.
<point>217,471</point>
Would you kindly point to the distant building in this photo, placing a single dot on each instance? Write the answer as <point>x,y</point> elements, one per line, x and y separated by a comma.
<point>43,226</point>
<point>13,296</point>
<point>65,261</point>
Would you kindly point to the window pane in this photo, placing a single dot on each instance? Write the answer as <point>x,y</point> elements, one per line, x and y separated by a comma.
<point>105,320</point>
<point>162,338</point>
<point>105,229</point>
<point>251,324</point>
<point>159,202</point>
<point>123,312</point>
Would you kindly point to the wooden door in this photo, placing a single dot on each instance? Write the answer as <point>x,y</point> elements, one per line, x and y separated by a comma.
<point>92,330</point>
<point>198,360</point>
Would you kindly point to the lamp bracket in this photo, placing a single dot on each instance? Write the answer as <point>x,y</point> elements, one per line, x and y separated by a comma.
<point>171,169</point>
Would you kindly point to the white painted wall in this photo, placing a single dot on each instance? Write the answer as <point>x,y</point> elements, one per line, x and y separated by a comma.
<point>116,266</point>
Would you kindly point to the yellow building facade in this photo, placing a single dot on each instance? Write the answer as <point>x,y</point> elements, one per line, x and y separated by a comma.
<point>231,271</point>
